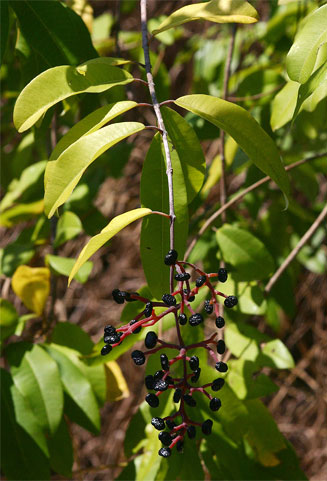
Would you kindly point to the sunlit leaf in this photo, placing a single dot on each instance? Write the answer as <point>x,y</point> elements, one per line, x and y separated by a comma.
<point>64,265</point>
<point>68,227</point>
<point>117,388</point>
<point>32,286</point>
<point>114,226</point>
<point>20,212</point>
<point>36,98</point>
<point>283,105</point>
<point>218,11</point>
<point>238,123</point>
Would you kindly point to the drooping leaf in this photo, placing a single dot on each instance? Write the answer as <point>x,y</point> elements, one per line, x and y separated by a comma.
<point>114,226</point>
<point>283,105</point>
<point>244,251</point>
<point>91,123</point>
<point>56,26</point>
<point>75,383</point>
<point>117,388</point>
<point>302,56</point>
<point>155,229</point>
<point>63,174</point>
<point>36,98</point>
<point>63,266</point>
<point>68,227</point>
<point>36,376</point>
<point>188,149</point>
<point>61,450</point>
<point>238,123</point>
<point>18,447</point>
<point>32,286</point>
<point>21,212</point>
<point>218,11</point>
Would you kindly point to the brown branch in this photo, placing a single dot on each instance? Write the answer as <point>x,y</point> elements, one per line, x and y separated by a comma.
<point>296,250</point>
<point>256,96</point>
<point>239,196</point>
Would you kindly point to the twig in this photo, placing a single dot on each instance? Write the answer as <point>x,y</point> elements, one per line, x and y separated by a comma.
<point>239,196</point>
<point>256,96</point>
<point>296,250</point>
<point>156,107</point>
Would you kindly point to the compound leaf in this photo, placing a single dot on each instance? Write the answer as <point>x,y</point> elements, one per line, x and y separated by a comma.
<point>114,226</point>
<point>59,83</point>
<point>63,174</point>
<point>217,11</point>
<point>245,130</point>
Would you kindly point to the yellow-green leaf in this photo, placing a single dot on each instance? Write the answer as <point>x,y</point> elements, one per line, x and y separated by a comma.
<point>117,388</point>
<point>32,286</point>
<point>63,174</point>
<point>59,83</point>
<point>114,226</point>
<point>283,105</point>
<point>245,130</point>
<point>217,11</point>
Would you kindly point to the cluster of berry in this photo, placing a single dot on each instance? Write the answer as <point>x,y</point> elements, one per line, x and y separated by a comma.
<point>164,379</point>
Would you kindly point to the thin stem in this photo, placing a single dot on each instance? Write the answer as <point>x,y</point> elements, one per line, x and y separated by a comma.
<point>239,196</point>
<point>255,96</point>
<point>296,250</point>
<point>156,107</point>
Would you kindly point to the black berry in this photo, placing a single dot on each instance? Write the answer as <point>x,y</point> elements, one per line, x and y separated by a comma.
<point>164,362</point>
<point>170,424</point>
<point>183,276</point>
<point>164,452</point>
<point>221,346</point>
<point>221,366</point>
<point>207,427</point>
<point>113,339</point>
<point>191,432</point>
<point>148,309</point>
<point>128,297</point>
<point>165,438</point>
<point>189,400</point>
<point>152,400</point>
<point>215,404</point>
<point>138,329</point>
<point>105,350</point>
<point>149,381</point>
<point>169,300</point>
<point>195,319</point>
<point>118,297</point>
<point>177,395</point>
<point>222,275</point>
<point>171,258</point>
<point>109,330</point>
<point>158,375</point>
<point>158,423</point>
<point>179,445</point>
<point>196,375</point>
<point>208,307</point>
<point>150,339</point>
<point>138,357</point>
<point>194,363</point>
<point>160,385</point>
<point>182,319</point>
<point>231,301</point>
<point>217,384</point>
<point>200,281</point>
<point>220,322</point>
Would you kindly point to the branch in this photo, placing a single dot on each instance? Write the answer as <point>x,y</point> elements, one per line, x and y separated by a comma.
<point>156,107</point>
<point>239,196</point>
<point>296,250</point>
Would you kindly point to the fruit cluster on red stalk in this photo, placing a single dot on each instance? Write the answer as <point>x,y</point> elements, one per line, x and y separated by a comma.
<point>164,379</point>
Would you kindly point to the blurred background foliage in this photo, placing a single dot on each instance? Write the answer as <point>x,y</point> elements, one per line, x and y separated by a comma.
<point>66,410</point>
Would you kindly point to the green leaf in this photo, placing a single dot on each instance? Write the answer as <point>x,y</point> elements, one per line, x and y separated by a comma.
<point>55,31</point>
<point>238,123</point>
<point>317,80</point>
<point>188,149</point>
<point>94,76</point>
<point>14,255</point>
<point>283,105</point>
<point>21,457</point>
<point>68,227</point>
<point>63,174</point>
<point>250,296</point>
<point>21,212</point>
<point>61,450</point>
<point>218,11</point>
<point>115,225</point>
<point>71,335</point>
<point>36,376</point>
<point>245,252</point>
<point>8,319</point>
<point>278,354</point>
<point>91,123</point>
<point>302,56</point>
<point>155,229</point>
<point>75,383</point>
<point>246,382</point>
<point>64,265</point>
